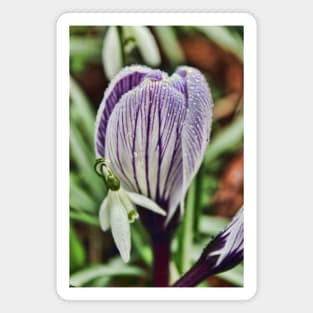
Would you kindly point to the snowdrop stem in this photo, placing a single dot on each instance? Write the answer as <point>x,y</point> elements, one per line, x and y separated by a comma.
<point>161,260</point>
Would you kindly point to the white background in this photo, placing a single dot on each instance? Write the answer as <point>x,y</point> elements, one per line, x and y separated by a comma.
<point>27,167</point>
<point>250,135</point>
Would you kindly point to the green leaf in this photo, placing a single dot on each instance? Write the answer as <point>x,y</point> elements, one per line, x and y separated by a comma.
<point>80,199</point>
<point>84,218</point>
<point>174,273</point>
<point>87,47</point>
<point>83,161</point>
<point>198,199</point>
<point>79,150</point>
<point>226,39</point>
<point>234,275</point>
<point>204,284</point>
<point>81,112</point>
<point>141,247</point>
<point>169,44</point>
<point>186,232</point>
<point>83,158</point>
<point>212,225</point>
<point>209,183</point>
<point>227,140</point>
<point>96,271</point>
<point>77,252</point>
<point>101,281</point>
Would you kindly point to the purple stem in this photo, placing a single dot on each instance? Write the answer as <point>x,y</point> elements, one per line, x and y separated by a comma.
<point>193,277</point>
<point>161,260</point>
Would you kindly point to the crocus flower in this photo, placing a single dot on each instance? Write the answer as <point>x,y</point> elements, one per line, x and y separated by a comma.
<point>222,253</point>
<point>154,130</point>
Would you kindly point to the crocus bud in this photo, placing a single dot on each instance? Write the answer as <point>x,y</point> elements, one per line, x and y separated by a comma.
<point>222,253</point>
<point>154,129</point>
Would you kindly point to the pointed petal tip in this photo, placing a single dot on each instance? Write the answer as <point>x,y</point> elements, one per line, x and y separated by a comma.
<point>125,257</point>
<point>146,203</point>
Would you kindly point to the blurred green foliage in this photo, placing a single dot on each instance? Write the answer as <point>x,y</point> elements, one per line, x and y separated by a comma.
<point>199,225</point>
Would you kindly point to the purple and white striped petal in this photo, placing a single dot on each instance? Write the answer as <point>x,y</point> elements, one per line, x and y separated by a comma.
<point>227,247</point>
<point>197,124</point>
<point>222,253</point>
<point>124,81</point>
<point>143,140</point>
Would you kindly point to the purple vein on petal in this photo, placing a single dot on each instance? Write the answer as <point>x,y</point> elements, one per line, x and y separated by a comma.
<point>118,154</point>
<point>124,81</point>
<point>134,149</point>
<point>149,121</point>
<point>197,124</point>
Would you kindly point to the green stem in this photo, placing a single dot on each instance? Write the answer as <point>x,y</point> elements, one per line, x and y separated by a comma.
<point>121,38</point>
<point>197,200</point>
<point>187,230</point>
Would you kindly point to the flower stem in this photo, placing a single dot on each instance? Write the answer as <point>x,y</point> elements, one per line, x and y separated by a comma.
<point>193,277</point>
<point>186,236</point>
<point>161,260</point>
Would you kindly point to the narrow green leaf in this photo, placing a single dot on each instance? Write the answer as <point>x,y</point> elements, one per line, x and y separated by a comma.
<point>84,218</point>
<point>169,44</point>
<point>101,281</point>
<point>198,199</point>
<point>95,271</point>
<point>83,157</point>
<point>226,39</point>
<point>81,109</point>
<point>87,47</point>
<point>204,284</point>
<point>234,275</point>
<point>80,199</point>
<point>186,235</point>
<point>141,247</point>
<point>79,151</point>
<point>77,251</point>
<point>174,273</point>
<point>227,140</point>
<point>212,225</point>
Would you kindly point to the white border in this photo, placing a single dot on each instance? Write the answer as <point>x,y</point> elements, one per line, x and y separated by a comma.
<point>250,156</point>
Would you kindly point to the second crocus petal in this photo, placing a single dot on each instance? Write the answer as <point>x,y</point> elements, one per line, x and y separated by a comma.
<point>197,124</point>
<point>144,140</point>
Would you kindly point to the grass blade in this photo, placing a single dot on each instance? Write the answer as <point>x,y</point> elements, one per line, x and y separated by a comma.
<point>95,271</point>
<point>169,44</point>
